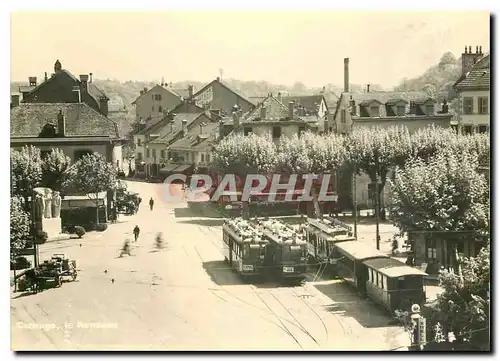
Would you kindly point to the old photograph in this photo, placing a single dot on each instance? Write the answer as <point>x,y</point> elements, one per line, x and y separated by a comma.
<point>250,181</point>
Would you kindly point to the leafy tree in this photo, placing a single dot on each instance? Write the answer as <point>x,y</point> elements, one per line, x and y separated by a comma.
<point>93,175</point>
<point>465,303</point>
<point>445,198</point>
<point>25,171</point>
<point>19,225</point>
<point>55,169</point>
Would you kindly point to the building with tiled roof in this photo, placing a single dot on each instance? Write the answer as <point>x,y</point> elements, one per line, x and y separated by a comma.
<point>307,105</point>
<point>153,103</point>
<point>75,128</point>
<point>473,88</point>
<point>63,87</point>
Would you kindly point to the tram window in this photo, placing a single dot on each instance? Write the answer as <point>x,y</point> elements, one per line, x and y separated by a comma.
<point>383,283</point>
<point>376,278</point>
<point>370,275</point>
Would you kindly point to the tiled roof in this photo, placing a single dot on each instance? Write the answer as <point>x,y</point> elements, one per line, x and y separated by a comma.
<point>28,119</point>
<point>194,141</point>
<point>275,111</point>
<point>478,77</point>
<point>156,87</point>
<point>224,85</point>
<point>310,102</point>
<point>168,128</point>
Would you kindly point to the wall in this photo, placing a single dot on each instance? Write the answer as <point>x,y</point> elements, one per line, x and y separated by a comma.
<point>146,106</point>
<point>139,149</point>
<point>118,156</point>
<point>474,119</point>
<point>260,129</point>
<point>224,99</point>
<point>412,124</point>
<point>336,123</point>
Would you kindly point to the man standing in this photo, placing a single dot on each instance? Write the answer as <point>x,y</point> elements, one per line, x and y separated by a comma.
<point>137,230</point>
<point>151,203</point>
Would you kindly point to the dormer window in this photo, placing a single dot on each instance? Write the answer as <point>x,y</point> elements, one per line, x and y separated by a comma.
<point>375,110</point>
<point>400,110</point>
<point>429,109</point>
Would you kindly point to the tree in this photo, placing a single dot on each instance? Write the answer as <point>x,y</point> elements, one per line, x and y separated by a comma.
<point>25,171</point>
<point>465,303</point>
<point>445,198</point>
<point>19,225</point>
<point>55,169</point>
<point>93,175</point>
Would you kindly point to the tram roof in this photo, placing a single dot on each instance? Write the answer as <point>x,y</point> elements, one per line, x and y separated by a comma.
<point>359,250</point>
<point>284,240</point>
<point>327,228</point>
<point>393,268</point>
<point>242,238</point>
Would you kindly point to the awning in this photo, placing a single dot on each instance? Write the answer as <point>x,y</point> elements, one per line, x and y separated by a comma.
<point>168,168</point>
<point>182,168</point>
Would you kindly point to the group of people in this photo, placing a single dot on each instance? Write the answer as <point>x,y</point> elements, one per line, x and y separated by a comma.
<point>137,231</point>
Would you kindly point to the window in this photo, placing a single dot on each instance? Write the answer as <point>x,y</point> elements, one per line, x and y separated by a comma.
<point>276,132</point>
<point>370,275</point>
<point>157,97</point>
<point>247,130</point>
<point>400,110</point>
<point>468,105</point>
<point>207,158</point>
<point>376,279</point>
<point>202,157</point>
<point>482,129</point>
<point>429,109</point>
<point>162,154</point>
<point>343,116</point>
<point>117,164</point>
<point>154,153</point>
<point>467,130</point>
<point>147,153</point>
<point>431,253</point>
<point>383,282</point>
<point>482,105</point>
<point>375,111</point>
<point>160,109</point>
<point>139,142</point>
<point>139,156</point>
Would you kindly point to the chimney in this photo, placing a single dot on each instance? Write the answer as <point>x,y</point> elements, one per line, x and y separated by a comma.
<point>280,97</point>
<point>218,79</point>
<point>445,108</point>
<point>145,89</point>
<point>190,91</point>
<point>32,80</point>
<point>141,92</point>
<point>470,49</point>
<point>14,100</point>
<point>90,79</point>
<point>84,78</point>
<point>469,59</point>
<point>201,128</point>
<point>263,112</point>
<point>481,50</point>
<point>61,124</point>
<point>290,110</point>
<point>236,119</point>
<point>184,127</point>
<point>346,75</point>
<point>46,77</point>
<point>367,88</point>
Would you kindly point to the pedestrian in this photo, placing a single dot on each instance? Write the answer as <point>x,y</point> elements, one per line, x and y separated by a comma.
<point>137,230</point>
<point>125,248</point>
<point>159,240</point>
<point>151,203</point>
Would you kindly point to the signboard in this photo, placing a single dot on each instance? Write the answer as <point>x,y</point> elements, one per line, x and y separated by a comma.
<point>205,98</point>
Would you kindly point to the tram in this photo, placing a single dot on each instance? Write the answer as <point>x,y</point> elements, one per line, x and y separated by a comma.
<point>286,253</point>
<point>321,234</point>
<point>243,247</point>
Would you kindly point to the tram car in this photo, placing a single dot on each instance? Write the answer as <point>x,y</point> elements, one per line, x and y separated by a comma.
<point>243,247</point>
<point>386,281</point>
<point>286,253</point>
<point>321,235</point>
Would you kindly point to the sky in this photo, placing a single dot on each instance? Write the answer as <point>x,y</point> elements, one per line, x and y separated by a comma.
<point>281,48</point>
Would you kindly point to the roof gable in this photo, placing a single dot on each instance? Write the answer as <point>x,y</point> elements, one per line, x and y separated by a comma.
<point>157,88</point>
<point>199,92</point>
<point>478,77</point>
<point>310,102</point>
<point>195,139</point>
<point>275,111</point>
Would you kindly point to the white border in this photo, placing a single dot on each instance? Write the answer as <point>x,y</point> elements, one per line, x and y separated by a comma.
<point>158,5</point>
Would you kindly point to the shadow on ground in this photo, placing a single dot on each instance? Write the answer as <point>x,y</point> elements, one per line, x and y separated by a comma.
<point>346,302</point>
<point>210,222</point>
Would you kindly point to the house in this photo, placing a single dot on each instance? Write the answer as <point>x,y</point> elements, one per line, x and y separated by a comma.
<point>75,128</point>
<point>64,87</point>
<point>473,88</point>
<point>413,109</point>
<point>153,103</point>
<point>158,138</point>
<point>217,95</point>
<point>272,118</point>
<point>307,105</point>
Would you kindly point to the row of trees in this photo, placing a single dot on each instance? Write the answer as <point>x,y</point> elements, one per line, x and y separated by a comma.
<point>90,175</point>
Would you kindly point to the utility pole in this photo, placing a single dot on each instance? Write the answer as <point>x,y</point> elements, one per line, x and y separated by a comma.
<point>355,204</point>
<point>377,205</point>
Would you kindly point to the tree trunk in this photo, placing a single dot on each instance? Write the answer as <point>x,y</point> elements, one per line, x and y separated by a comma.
<point>317,209</point>
<point>97,210</point>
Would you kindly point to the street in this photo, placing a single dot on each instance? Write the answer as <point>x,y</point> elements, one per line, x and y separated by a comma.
<point>185,298</point>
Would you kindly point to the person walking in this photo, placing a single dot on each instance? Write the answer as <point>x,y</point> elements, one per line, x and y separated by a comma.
<point>151,203</point>
<point>137,231</point>
<point>125,248</point>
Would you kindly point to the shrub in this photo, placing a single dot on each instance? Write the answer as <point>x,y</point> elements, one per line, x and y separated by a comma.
<point>41,237</point>
<point>79,231</point>
<point>101,227</point>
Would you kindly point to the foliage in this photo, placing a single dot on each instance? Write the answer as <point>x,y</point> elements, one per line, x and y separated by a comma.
<point>19,225</point>
<point>25,171</point>
<point>446,194</point>
<point>101,227</point>
<point>465,302</point>
<point>79,231</point>
<point>41,237</point>
<point>92,175</point>
<point>55,169</point>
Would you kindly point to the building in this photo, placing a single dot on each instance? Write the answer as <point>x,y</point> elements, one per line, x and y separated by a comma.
<point>64,87</point>
<point>153,103</point>
<point>307,105</point>
<point>75,128</point>
<point>473,88</point>
<point>219,96</point>
<point>155,141</point>
<point>273,118</point>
